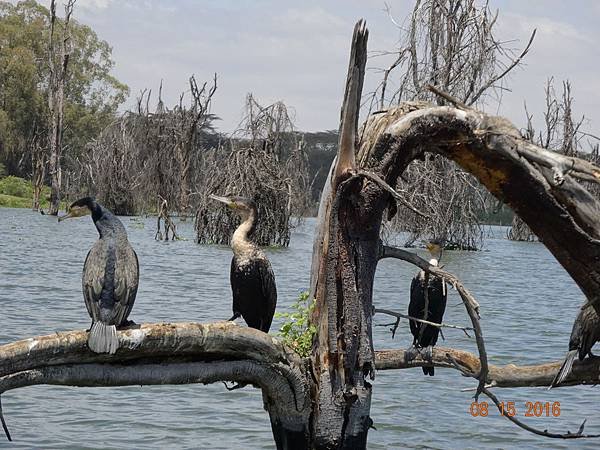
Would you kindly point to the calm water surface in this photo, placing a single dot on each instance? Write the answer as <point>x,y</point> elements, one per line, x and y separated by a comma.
<point>528,305</point>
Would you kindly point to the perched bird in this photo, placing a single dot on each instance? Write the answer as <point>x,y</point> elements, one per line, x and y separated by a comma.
<point>585,333</point>
<point>251,276</point>
<point>110,276</point>
<point>425,336</point>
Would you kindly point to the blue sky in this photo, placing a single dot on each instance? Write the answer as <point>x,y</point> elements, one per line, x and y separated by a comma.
<point>297,51</point>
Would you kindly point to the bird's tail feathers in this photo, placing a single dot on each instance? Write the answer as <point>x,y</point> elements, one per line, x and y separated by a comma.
<point>565,369</point>
<point>103,338</point>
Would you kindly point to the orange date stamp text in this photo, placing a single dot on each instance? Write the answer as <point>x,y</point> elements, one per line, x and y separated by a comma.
<point>510,409</point>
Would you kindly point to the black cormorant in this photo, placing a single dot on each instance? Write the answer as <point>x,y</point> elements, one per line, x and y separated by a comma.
<point>110,276</point>
<point>585,333</point>
<point>252,278</point>
<point>425,336</point>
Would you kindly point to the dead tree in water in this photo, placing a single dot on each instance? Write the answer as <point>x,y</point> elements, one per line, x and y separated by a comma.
<point>190,122</point>
<point>112,167</point>
<point>323,401</point>
<point>38,165</point>
<point>163,215</point>
<point>451,45</point>
<point>265,161</point>
<point>58,66</point>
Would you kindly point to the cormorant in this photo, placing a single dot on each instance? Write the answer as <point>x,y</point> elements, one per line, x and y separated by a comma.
<point>251,276</point>
<point>425,336</point>
<point>110,276</point>
<point>585,333</point>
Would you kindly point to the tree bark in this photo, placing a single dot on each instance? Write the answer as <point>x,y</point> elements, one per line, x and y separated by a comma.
<point>56,93</point>
<point>508,376</point>
<point>173,354</point>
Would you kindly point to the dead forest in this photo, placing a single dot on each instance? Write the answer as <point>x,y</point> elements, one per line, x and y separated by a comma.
<point>426,161</point>
<point>323,401</point>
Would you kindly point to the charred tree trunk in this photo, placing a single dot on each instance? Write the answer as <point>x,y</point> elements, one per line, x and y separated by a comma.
<point>56,93</point>
<point>343,358</point>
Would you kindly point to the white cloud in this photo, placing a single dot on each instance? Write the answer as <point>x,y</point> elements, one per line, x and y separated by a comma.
<point>94,4</point>
<point>298,51</point>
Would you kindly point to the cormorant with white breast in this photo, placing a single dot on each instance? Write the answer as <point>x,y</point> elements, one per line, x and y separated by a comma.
<point>585,333</point>
<point>252,278</point>
<point>110,276</point>
<point>425,336</point>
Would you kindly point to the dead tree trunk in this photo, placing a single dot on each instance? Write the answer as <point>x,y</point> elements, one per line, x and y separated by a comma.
<point>191,123</point>
<point>56,93</point>
<point>38,164</point>
<point>323,402</point>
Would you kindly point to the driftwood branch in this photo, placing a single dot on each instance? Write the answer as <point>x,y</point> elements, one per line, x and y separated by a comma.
<point>586,372</point>
<point>167,354</point>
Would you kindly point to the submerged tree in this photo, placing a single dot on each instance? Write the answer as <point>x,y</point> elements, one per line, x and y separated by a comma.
<point>323,401</point>
<point>451,45</point>
<point>148,159</point>
<point>265,160</point>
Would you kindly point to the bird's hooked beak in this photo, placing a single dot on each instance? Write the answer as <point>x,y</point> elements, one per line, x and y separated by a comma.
<point>75,211</point>
<point>230,203</point>
<point>434,249</point>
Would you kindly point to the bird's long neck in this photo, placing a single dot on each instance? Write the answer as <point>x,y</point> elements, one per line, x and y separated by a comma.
<point>436,255</point>
<point>240,241</point>
<point>106,222</point>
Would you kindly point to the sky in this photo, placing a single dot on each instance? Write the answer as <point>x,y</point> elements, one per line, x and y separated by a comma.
<point>297,51</point>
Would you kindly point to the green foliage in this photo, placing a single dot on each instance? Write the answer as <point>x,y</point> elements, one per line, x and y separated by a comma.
<point>16,187</point>
<point>17,192</point>
<point>2,171</point>
<point>92,94</point>
<point>297,332</point>
<point>8,201</point>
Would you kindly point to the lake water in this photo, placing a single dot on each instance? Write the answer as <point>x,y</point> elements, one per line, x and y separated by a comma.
<point>528,305</point>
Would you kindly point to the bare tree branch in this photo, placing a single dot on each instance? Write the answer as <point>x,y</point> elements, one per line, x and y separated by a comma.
<point>568,435</point>
<point>496,78</point>
<point>586,372</point>
<point>426,322</point>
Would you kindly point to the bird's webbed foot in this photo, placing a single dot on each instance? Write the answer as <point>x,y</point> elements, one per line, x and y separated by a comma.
<point>428,353</point>
<point>411,353</point>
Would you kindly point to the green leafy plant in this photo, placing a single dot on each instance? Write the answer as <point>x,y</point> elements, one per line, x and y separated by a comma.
<point>16,187</point>
<point>297,332</point>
